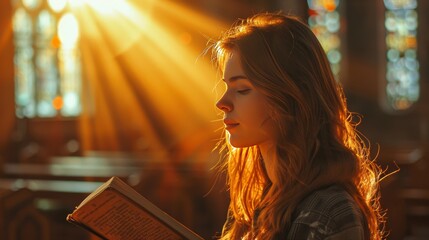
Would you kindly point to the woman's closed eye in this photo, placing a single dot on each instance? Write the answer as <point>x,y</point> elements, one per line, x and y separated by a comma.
<point>244,91</point>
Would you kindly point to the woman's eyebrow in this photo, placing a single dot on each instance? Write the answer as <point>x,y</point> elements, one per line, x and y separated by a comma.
<point>235,78</point>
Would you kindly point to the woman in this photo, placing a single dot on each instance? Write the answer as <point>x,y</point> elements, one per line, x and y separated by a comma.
<point>297,168</point>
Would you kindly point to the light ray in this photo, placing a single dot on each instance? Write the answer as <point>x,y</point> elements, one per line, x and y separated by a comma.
<point>153,78</point>
<point>211,27</point>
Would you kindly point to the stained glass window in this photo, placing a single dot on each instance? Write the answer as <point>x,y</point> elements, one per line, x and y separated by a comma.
<point>324,20</point>
<point>402,70</point>
<point>47,60</point>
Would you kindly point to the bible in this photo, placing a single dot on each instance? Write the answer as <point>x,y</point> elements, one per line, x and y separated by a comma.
<point>116,211</point>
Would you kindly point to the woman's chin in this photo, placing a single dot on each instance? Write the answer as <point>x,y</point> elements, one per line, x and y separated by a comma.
<point>239,144</point>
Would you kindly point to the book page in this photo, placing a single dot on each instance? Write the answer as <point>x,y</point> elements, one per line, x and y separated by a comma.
<point>115,217</point>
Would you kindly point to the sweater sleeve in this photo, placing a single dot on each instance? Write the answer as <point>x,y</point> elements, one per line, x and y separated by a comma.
<point>315,226</point>
<point>329,214</point>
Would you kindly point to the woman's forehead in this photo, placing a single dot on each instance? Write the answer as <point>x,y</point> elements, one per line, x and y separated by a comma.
<point>232,65</point>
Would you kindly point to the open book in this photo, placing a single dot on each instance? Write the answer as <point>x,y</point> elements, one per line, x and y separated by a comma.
<point>116,211</point>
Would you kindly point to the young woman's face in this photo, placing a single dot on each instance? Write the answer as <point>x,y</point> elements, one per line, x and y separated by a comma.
<point>246,113</point>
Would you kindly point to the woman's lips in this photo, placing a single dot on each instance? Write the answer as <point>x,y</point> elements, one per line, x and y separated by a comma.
<point>229,124</point>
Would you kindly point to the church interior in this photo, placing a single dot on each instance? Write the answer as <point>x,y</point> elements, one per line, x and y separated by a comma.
<point>91,89</point>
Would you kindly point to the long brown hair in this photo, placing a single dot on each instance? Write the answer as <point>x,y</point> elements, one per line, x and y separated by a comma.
<point>317,142</point>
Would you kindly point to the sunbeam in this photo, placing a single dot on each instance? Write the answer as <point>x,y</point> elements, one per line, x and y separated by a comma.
<point>147,78</point>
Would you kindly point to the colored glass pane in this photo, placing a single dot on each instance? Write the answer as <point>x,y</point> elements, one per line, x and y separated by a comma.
<point>24,69</point>
<point>68,31</point>
<point>47,60</point>
<point>69,64</point>
<point>402,68</point>
<point>324,20</point>
<point>31,4</point>
<point>57,5</point>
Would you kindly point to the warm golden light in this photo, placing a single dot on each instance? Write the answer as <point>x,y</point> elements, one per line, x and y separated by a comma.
<point>68,31</point>
<point>147,73</point>
<point>101,6</point>
<point>57,5</point>
<point>76,3</point>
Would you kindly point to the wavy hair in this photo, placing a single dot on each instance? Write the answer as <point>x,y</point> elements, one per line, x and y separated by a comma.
<point>317,141</point>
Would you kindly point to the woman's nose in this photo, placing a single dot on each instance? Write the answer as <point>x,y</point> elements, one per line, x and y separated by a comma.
<point>224,105</point>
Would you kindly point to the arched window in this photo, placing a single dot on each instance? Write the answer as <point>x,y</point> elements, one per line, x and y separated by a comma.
<point>47,61</point>
<point>402,68</point>
<point>324,20</point>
